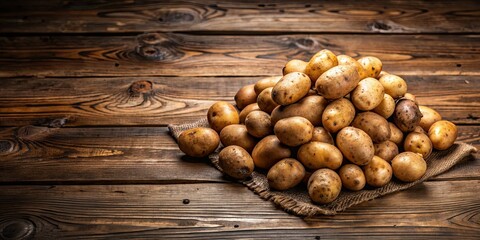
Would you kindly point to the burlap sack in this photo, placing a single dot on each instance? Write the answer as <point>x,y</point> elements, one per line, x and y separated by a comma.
<point>296,200</point>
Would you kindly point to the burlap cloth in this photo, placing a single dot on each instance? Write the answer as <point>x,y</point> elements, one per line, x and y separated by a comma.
<point>296,200</point>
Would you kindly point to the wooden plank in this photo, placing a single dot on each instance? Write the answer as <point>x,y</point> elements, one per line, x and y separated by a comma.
<point>128,155</point>
<point>228,55</point>
<point>234,16</point>
<point>440,210</point>
<point>165,100</point>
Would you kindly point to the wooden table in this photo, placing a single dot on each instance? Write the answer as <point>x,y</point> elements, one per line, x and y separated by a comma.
<point>87,90</point>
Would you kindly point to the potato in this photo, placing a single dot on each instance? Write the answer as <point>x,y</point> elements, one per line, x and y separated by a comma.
<point>236,162</point>
<point>429,117</point>
<point>291,88</point>
<point>409,166</point>
<point>264,83</point>
<point>237,134</point>
<point>320,134</point>
<point>347,60</point>
<point>378,172</point>
<point>374,125</point>
<point>245,96</point>
<point>293,131</point>
<point>310,107</point>
<point>248,109</point>
<point>355,145</point>
<point>442,134</point>
<point>396,135</point>
<point>419,130</point>
<point>222,114</point>
<point>265,101</point>
<point>411,97</point>
<point>294,65</point>
<point>324,186</point>
<point>320,63</point>
<point>316,155</point>
<point>418,143</point>
<point>269,151</point>
<point>352,177</point>
<point>368,94</point>
<point>394,85</point>
<point>338,81</point>
<point>198,142</point>
<point>258,124</point>
<point>372,66</point>
<point>382,73</point>
<point>386,150</point>
<point>407,115</point>
<point>386,107</point>
<point>337,115</point>
<point>285,174</point>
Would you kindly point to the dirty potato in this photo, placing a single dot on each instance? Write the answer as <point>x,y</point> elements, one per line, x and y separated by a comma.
<point>320,134</point>
<point>198,142</point>
<point>374,125</point>
<point>294,65</point>
<point>352,177</point>
<point>409,166</point>
<point>338,114</point>
<point>248,109</point>
<point>429,117</point>
<point>324,186</point>
<point>368,94</point>
<point>258,124</point>
<point>265,101</point>
<point>264,83</point>
<point>418,143</point>
<point>245,96</point>
<point>386,150</point>
<point>394,85</point>
<point>237,134</point>
<point>293,131</point>
<point>372,66</point>
<point>320,63</point>
<point>396,135</point>
<point>338,81</point>
<point>236,162</point>
<point>386,107</point>
<point>310,107</point>
<point>291,88</point>
<point>407,115</point>
<point>285,174</point>
<point>443,134</point>
<point>316,155</point>
<point>378,172</point>
<point>269,151</point>
<point>222,114</point>
<point>356,145</point>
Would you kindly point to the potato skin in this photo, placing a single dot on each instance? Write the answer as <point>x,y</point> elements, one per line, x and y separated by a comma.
<point>394,85</point>
<point>352,177</point>
<point>443,134</point>
<point>386,150</point>
<point>407,115</point>
<point>269,151</point>
<point>372,66</point>
<point>198,142</point>
<point>245,96</point>
<point>347,60</point>
<point>386,107</point>
<point>294,65</point>
<point>310,107</point>
<point>320,134</point>
<point>222,114</point>
<point>418,143</point>
<point>338,81</point>
<point>320,63</point>
<point>355,145</point>
<point>316,155</point>
<point>293,131</point>
<point>324,186</point>
<point>264,83</point>
<point>236,162</point>
<point>396,135</point>
<point>258,124</point>
<point>291,88</point>
<point>430,116</point>
<point>248,109</point>
<point>265,101</point>
<point>237,134</point>
<point>378,172</point>
<point>338,114</point>
<point>368,94</point>
<point>408,166</point>
<point>374,125</point>
<point>285,174</point>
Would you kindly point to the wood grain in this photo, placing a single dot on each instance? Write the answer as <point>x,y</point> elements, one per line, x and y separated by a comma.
<point>245,16</point>
<point>156,54</point>
<point>443,210</point>
<point>34,154</point>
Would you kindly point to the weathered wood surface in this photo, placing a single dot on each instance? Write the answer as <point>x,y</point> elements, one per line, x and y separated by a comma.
<point>239,16</point>
<point>159,54</point>
<point>440,210</point>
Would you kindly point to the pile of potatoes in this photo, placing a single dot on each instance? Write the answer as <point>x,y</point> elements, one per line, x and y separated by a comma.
<point>333,122</point>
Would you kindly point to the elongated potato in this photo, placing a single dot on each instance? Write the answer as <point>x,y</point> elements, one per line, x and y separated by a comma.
<point>291,88</point>
<point>338,114</point>
<point>386,107</point>
<point>320,63</point>
<point>356,145</point>
<point>338,81</point>
<point>394,85</point>
<point>237,134</point>
<point>198,142</point>
<point>293,131</point>
<point>352,177</point>
<point>374,125</point>
<point>248,109</point>
<point>236,162</point>
<point>368,94</point>
<point>265,101</point>
<point>316,155</point>
<point>245,96</point>
<point>264,83</point>
<point>294,65</point>
<point>324,186</point>
<point>285,174</point>
<point>418,143</point>
<point>222,114</point>
<point>442,134</point>
<point>320,134</point>
<point>378,172</point>
<point>269,151</point>
<point>347,60</point>
<point>310,107</point>
<point>372,66</point>
<point>396,135</point>
<point>430,116</point>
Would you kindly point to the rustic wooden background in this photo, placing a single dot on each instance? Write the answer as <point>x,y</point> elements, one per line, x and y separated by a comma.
<point>87,89</point>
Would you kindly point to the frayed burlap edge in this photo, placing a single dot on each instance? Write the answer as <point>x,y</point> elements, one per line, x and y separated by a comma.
<point>296,200</point>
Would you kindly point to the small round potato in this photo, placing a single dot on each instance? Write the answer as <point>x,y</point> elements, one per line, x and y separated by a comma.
<point>442,134</point>
<point>368,94</point>
<point>407,115</point>
<point>245,96</point>
<point>408,166</point>
<point>236,162</point>
<point>324,186</point>
<point>237,134</point>
<point>418,143</point>
<point>374,125</point>
<point>338,81</point>
<point>394,85</point>
<point>356,145</point>
<point>310,107</point>
<point>265,101</point>
<point>396,135</point>
<point>352,177</point>
<point>285,174</point>
<point>269,151</point>
<point>291,88</point>
<point>430,116</point>
<point>320,134</point>
<point>372,66</point>
<point>378,172</point>
<point>386,107</point>
<point>248,109</point>
<point>264,83</point>
<point>338,114</point>
<point>386,150</point>
<point>320,63</point>
<point>222,114</point>
<point>293,131</point>
<point>294,65</point>
<point>198,142</point>
<point>258,124</point>
<point>316,155</point>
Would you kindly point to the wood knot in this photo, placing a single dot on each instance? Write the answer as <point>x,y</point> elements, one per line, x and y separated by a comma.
<point>17,229</point>
<point>176,16</point>
<point>156,46</point>
<point>6,146</point>
<point>141,87</point>
<point>151,38</point>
